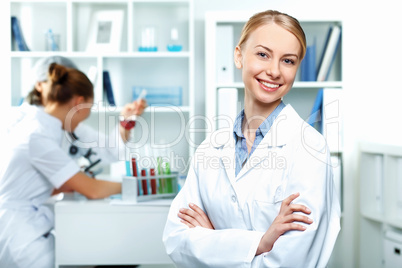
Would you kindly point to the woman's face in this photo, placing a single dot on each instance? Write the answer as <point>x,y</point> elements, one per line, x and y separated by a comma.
<point>269,61</point>
<point>44,89</point>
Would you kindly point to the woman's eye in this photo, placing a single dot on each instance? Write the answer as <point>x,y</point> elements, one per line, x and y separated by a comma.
<point>262,54</point>
<point>289,61</point>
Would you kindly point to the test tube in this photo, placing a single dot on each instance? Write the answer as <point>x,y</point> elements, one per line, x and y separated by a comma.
<point>153,181</point>
<point>135,173</point>
<point>144,182</point>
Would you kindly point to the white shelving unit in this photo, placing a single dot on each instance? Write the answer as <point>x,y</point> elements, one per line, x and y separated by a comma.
<point>128,67</point>
<point>380,202</point>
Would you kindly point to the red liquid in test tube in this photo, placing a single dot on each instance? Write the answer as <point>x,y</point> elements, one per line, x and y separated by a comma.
<point>153,181</point>
<point>135,173</point>
<point>128,124</point>
<point>144,182</point>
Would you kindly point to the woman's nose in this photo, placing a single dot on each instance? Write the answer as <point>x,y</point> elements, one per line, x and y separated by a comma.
<point>272,69</point>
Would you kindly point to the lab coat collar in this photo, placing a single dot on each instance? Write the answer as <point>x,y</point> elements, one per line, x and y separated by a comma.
<point>277,137</point>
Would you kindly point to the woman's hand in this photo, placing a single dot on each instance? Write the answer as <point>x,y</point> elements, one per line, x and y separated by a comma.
<point>285,221</point>
<point>194,216</point>
<point>136,107</point>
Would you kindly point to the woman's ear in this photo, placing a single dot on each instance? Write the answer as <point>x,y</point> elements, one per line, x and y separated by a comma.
<point>77,100</point>
<point>238,58</point>
<point>39,87</point>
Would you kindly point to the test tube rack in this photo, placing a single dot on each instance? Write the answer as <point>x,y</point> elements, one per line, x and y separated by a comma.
<point>143,188</point>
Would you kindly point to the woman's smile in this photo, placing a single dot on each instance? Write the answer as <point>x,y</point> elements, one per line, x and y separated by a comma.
<point>268,86</point>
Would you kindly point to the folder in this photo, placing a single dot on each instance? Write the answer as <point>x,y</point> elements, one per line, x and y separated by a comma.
<point>308,65</point>
<point>227,107</point>
<point>17,34</point>
<point>329,52</point>
<point>107,87</point>
<point>224,54</point>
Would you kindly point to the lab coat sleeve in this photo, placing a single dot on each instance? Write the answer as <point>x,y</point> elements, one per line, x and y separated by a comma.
<point>47,157</point>
<point>202,247</point>
<point>109,148</point>
<point>310,174</point>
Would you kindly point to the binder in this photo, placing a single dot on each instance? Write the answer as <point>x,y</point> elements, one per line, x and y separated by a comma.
<point>107,87</point>
<point>227,107</point>
<point>17,34</point>
<point>329,52</point>
<point>315,115</point>
<point>308,65</point>
<point>224,54</point>
<point>332,118</point>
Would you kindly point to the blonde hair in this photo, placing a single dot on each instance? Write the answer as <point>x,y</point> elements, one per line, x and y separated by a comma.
<point>287,22</point>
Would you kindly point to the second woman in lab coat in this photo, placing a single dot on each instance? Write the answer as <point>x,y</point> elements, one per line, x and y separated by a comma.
<point>261,194</point>
<point>113,150</point>
<point>36,164</point>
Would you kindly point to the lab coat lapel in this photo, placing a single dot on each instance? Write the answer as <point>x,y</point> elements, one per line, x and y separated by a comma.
<point>224,143</point>
<point>227,159</point>
<point>275,139</point>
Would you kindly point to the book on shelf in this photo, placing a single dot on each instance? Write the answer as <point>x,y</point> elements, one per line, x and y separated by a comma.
<point>326,117</point>
<point>315,116</point>
<point>108,89</point>
<point>17,34</point>
<point>308,65</point>
<point>332,118</point>
<point>329,52</point>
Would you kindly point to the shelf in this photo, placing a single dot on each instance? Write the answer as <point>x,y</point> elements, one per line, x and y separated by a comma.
<point>150,109</point>
<point>39,54</point>
<point>373,216</point>
<point>394,222</point>
<point>297,84</point>
<point>127,67</point>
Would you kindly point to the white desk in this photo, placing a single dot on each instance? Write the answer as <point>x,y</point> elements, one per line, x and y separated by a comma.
<point>94,232</point>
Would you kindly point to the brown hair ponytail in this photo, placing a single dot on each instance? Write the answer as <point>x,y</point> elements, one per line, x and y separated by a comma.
<point>67,82</point>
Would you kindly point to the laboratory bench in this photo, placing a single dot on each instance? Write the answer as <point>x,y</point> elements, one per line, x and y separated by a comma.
<point>109,231</point>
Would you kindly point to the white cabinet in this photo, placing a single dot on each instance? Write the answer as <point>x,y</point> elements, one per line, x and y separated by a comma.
<point>129,67</point>
<point>380,205</point>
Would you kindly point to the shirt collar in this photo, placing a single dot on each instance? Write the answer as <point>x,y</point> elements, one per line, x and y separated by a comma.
<point>265,125</point>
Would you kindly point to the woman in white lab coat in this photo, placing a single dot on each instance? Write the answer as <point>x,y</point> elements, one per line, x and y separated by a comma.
<point>260,194</point>
<point>36,165</point>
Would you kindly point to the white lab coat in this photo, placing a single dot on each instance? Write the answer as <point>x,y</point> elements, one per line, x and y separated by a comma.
<point>34,166</point>
<point>292,157</point>
<point>109,148</point>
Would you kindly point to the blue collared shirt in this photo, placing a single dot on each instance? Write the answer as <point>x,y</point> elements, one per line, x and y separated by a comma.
<point>241,151</point>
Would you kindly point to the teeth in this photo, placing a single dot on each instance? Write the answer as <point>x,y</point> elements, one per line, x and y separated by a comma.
<point>268,84</point>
